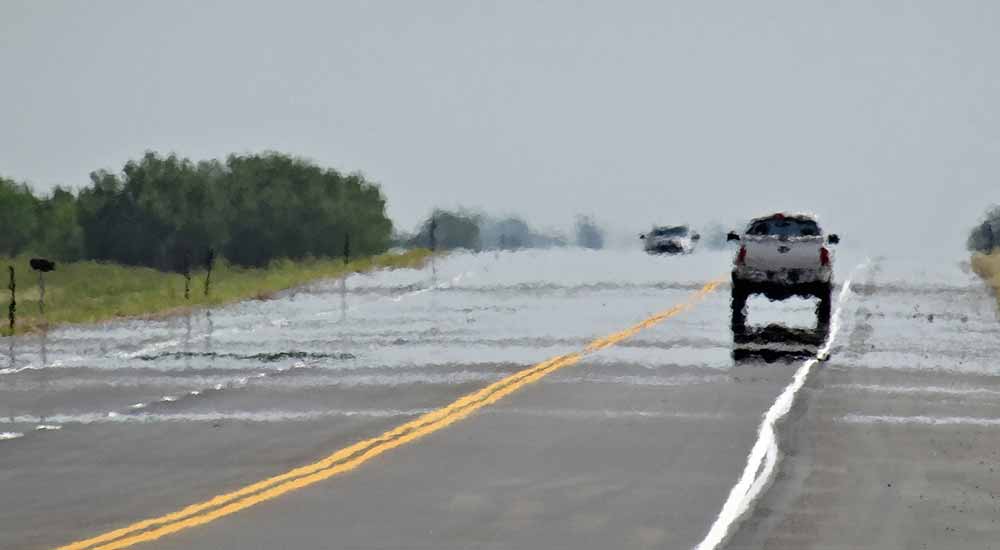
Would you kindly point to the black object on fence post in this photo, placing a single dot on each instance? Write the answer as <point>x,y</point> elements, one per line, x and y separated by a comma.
<point>186,271</point>
<point>209,262</point>
<point>42,266</point>
<point>11,311</point>
<point>347,248</point>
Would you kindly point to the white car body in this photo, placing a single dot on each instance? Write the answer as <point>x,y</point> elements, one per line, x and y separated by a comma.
<point>767,255</point>
<point>670,240</point>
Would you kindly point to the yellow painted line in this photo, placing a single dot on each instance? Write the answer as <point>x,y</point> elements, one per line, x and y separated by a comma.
<point>351,457</point>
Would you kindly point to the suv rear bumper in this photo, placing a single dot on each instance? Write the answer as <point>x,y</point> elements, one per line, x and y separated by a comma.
<point>789,277</point>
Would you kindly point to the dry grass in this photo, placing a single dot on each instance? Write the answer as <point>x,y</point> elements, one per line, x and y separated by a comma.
<point>87,292</point>
<point>987,266</point>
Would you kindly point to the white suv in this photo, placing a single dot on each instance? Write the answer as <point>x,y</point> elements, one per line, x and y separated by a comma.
<point>780,256</point>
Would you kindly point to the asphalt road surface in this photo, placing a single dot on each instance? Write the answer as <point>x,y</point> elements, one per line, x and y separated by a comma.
<point>544,399</point>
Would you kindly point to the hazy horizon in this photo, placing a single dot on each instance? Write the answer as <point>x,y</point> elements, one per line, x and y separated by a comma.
<point>881,119</point>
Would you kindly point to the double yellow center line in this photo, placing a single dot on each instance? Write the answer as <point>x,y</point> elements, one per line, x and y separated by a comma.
<point>355,455</point>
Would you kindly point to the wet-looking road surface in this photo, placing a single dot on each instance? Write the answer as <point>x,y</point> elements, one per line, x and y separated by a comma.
<point>534,421</point>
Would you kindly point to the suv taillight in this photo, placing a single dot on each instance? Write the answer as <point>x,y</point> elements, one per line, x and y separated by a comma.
<point>824,256</point>
<point>742,256</point>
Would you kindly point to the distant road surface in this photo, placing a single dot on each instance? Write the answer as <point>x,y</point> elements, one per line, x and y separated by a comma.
<point>540,399</point>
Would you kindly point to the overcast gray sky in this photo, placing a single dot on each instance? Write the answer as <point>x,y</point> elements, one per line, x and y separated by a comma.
<point>882,117</point>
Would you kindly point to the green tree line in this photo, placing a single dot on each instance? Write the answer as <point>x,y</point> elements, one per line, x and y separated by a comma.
<point>166,212</point>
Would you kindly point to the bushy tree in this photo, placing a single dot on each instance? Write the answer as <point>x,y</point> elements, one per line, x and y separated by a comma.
<point>279,206</point>
<point>450,230</point>
<point>58,234</point>
<point>159,212</point>
<point>986,236</point>
<point>588,233</point>
<point>18,216</point>
<point>512,233</point>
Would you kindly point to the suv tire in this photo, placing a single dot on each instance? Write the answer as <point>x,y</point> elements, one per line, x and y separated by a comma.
<point>824,292</point>
<point>740,293</point>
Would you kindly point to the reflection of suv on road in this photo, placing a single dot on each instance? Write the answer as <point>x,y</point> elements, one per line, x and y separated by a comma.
<point>677,239</point>
<point>780,256</point>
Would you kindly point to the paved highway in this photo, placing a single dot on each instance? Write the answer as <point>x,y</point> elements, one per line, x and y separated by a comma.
<point>542,399</point>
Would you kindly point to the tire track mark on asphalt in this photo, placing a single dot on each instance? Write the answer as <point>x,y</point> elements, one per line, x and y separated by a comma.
<point>355,455</point>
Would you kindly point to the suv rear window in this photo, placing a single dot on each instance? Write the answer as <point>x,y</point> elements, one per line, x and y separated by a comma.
<point>785,227</point>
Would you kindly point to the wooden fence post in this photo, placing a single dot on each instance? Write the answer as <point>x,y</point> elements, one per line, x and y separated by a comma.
<point>42,266</point>
<point>186,272</point>
<point>433,236</point>
<point>209,262</point>
<point>12,310</point>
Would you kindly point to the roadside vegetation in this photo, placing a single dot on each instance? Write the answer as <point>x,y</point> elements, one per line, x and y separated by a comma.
<point>984,244</point>
<point>987,266</point>
<point>476,231</point>
<point>125,243</point>
<point>88,291</point>
<point>588,233</point>
<point>167,212</point>
<point>122,243</point>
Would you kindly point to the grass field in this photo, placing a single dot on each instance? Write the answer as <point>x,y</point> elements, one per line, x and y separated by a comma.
<point>987,266</point>
<point>86,292</point>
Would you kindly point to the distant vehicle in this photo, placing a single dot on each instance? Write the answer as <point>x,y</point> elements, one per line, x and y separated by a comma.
<point>674,239</point>
<point>780,256</point>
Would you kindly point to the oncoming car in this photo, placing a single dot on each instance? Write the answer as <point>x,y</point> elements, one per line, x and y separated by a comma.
<point>780,256</point>
<point>676,239</point>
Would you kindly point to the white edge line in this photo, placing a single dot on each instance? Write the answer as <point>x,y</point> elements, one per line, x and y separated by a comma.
<point>920,419</point>
<point>764,454</point>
